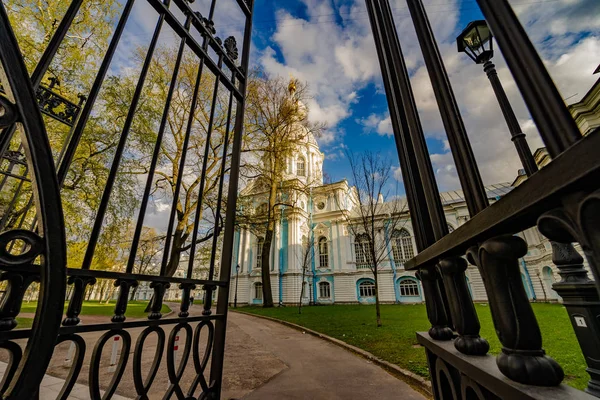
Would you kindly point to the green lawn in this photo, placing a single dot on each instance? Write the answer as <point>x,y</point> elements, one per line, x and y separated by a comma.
<point>135,309</point>
<point>396,342</point>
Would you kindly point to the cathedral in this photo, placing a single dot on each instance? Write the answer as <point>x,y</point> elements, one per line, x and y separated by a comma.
<point>336,269</point>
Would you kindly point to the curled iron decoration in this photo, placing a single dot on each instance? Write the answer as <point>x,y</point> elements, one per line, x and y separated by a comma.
<point>200,364</point>
<point>444,380</point>
<point>80,349</point>
<point>175,375</point>
<point>8,114</point>
<point>142,386</point>
<point>19,105</point>
<point>34,246</point>
<point>94,377</point>
<point>231,48</point>
<point>15,354</point>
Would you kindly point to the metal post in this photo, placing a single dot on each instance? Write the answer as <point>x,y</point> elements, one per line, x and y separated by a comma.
<point>427,215</point>
<point>518,137</point>
<point>547,108</point>
<point>466,165</point>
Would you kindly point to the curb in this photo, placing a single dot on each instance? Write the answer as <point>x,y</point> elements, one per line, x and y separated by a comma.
<point>417,382</point>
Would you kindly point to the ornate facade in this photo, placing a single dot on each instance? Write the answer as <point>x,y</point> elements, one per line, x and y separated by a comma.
<point>336,267</point>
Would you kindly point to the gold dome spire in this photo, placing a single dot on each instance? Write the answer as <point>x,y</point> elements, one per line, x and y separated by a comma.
<point>292,85</point>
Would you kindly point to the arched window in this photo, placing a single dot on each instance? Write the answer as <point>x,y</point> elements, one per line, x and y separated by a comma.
<point>259,247</point>
<point>301,166</point>
<point>258,291</point>
<point>364,259</point>
<point>366,288</point>
<point>409,287</point>
<point>324,290</point>
<point>323,253</point>
<point>402,246</point>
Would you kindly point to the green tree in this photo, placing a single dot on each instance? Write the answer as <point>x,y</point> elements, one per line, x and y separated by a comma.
<point>276,124</point>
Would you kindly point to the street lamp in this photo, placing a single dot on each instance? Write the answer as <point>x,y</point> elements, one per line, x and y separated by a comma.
<point>237,276</point>
<point>476,41</point>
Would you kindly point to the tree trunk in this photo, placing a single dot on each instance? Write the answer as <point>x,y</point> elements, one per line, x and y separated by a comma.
<point>375,276</point>
<point>377,308</point>
<point>266,269</point>
<point>301,290</point>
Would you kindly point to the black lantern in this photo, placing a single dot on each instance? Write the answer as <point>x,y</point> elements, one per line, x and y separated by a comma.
<point>476,42</point>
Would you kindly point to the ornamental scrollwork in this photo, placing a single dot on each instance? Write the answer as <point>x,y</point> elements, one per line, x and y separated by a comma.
<point>231,48</point>
<point>8,113</point>
<point>56,106</point>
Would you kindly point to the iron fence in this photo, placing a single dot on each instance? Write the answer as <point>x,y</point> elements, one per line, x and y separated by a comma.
<point>34,247</point>
<point>561,200</point>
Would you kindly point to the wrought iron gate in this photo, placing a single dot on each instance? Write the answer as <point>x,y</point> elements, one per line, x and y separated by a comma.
<point>562,200</point>
<point>33,241</point>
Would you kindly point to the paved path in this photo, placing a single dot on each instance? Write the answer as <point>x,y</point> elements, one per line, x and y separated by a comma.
<point>263,360</point>
<point>317,369</point>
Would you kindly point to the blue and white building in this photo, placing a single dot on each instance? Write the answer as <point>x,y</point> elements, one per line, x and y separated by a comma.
<point>337,270</point>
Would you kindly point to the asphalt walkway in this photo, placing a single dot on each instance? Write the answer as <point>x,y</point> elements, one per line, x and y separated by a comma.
<point>263,360</point>
<point>317,369</point>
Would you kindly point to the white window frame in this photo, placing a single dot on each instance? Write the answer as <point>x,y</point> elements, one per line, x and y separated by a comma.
<point>323,252</point>
<point>364,259</point>
<point>367,289</point>
<point>402,246</point>
<point>258,291</point>
<point>324,290</point>
<point>301,166</point>
<point>259,246</point>
<point>409,287</point>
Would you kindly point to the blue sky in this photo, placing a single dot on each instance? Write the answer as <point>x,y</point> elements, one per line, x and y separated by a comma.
<point>328,44</point>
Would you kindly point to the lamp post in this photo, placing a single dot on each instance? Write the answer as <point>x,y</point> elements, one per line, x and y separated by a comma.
<point>237,276</point>
<point>476,41</point>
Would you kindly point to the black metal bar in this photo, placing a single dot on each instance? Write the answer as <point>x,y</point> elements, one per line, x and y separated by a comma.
<point>52,241</point>
<point>216,369</point>
<point>185,145</point>
<point>68,330</point>
<point>464,159</point>
<point>157,147</point>
<point>199,50</point>
<point>520,208</point>
<point>218,220</point>
<point>213,42</point>
<point>140,277</point>
<point>548,110</point>
<point>95,234</point>
<point>63,168</point>
<point>417,147</point>
<point>518,137</point>
<point>393,77</point>
<point>200,200</point>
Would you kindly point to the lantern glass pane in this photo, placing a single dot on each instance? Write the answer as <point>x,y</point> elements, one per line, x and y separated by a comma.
<point>473,41</point>
<point>485,36</point>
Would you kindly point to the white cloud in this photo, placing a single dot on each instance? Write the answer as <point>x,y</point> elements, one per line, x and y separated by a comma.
<point>397,174</point>
<point>381,124</point>
<point>338,60</point>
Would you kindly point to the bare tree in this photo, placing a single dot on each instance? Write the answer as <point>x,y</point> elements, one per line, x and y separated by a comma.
<point>276,124</point>
<point>372,221</point>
